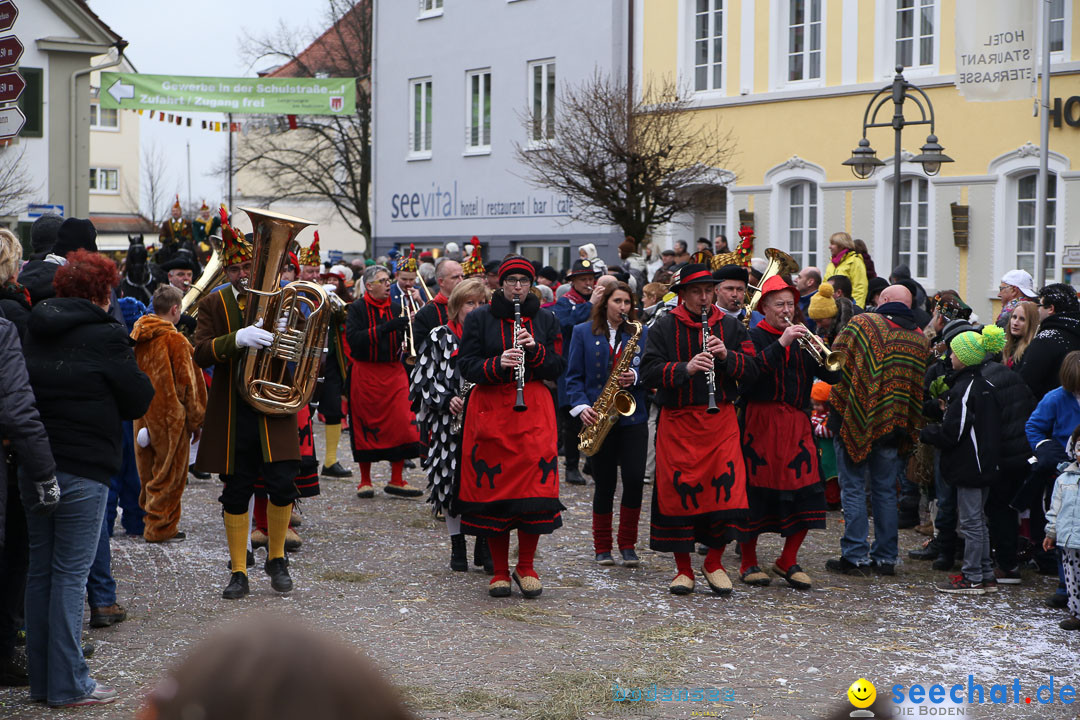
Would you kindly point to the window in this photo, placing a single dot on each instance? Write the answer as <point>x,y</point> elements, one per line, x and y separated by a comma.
<point>915,225</point>
<point>542,100</point>
<point>104,118</point>
<point>557,256</point>
<point>478,119</point>
<point>104,180</point>
<point>1057,26</point>
<point>802,201</point>
<point>431,8</point>
<point>1026,188</point>
<point>420,126</point>
<point>32,102</point>
<point>804,40</point>
<point>709,45</point>
<point>914,33</point>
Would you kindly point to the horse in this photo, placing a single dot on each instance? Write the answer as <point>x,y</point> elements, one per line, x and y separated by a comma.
<point>139,279</point>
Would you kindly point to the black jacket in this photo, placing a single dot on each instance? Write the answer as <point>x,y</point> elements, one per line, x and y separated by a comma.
<point>37,277</point>
<point>21,431</point>
<point>14,307</point>
<point>1017,403</point>
<point>83,372</point>
<point>487,334</point>
<point>1058,335</point>
<point>970,435</point>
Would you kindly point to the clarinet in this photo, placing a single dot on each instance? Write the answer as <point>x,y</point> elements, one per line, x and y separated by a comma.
<point>710,374</point>
<point>519,371</point>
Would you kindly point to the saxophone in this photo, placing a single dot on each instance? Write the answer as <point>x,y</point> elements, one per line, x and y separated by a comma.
<point>613,402</point>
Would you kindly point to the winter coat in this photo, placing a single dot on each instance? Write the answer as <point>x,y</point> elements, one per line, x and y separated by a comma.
<point>589,366</point>
<point>15,307</point>
<point>21,430</point>
<point>570,310</point>
<point>487,334</point>
<point>1017,403</point>
<point>852,266</point>
<point>1056,416</point>
<point>1058,335</point>
<point>37,277</point>
<point>1063,517</point>
<point>969,436</point>
<point>84,375</point>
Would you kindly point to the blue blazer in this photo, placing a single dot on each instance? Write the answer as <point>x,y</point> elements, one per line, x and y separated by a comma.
<point>588,366</point>
<point>568,316</point>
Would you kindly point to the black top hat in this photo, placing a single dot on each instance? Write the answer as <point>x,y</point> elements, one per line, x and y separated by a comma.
<point>732,272</point>
<point>694,274</point>
<point>581,267</point>
<point>180,262</point>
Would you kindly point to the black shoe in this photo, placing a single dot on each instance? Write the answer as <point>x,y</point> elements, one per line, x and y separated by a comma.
<point>250,561</point>
<point>482,556</point>
<point>237,587</point>
<point>945,562</point>
<point>278,570</point>
<point>1070,623</point>
<point>198,475</point>
<point>337,470</point>
<point>15,670</point>
<point>459,560</point>
<point>410,464</point>
<point>845,567</point>
<point>907,519</point>
<point>1057,601</point>
<point>604,559</point>
<point>702,549</point>
<point>929,550</point>
<point>574,477</point>
<point>881,568</point>
<point>630,558</point>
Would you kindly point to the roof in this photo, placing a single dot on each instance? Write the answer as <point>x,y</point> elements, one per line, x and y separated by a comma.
<point>121,223</point>
<point>81,4</point>
<point>337,48</point>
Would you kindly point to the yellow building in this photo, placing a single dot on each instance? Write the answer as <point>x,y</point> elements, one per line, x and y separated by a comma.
<point>791,80</point>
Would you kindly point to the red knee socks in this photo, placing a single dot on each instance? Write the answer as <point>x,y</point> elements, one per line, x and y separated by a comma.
<point>628,526</point>
<point>526,552</point>
<point>499,545</point>
<point>396,469</point>
<point>791,550</point>
<point>713,561</point>
<point>749,555</point>
<point>601,533</point>
<point>365,475</point>
<point>260,513</point>
<point>683,566</point>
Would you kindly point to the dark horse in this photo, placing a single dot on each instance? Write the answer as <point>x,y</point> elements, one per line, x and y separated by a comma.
<point>140,279</point>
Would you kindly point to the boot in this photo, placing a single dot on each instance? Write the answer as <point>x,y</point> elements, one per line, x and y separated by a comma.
<point>929,550</point>
<point>482,556</point>
<point>574,477</point>
<point>907,518</point>
<point>459,560</point>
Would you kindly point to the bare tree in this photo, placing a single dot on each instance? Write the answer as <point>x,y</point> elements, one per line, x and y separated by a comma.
<point>319,157</point>
<point>16,182</point>
<point>158,187</point>
<point>625,160</point>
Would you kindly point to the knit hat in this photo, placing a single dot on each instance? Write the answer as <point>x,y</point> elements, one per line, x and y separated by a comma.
<point>235,249</point>
<point>310,256</point>
<point>820,392</point>
<point>971,347</point>
<point>516,265</point>
<point>874,286</point>
<point>955,327</point>
<point>43,232</point>
<point>822,304</point>
<point>627,247</point>
<point>75,234</point>
<point>132,310</point>
<point>549,273</point>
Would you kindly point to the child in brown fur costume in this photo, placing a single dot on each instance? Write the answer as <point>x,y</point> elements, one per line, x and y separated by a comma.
<point>165,432</point>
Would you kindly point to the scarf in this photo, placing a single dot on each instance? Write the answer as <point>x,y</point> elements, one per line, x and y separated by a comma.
<point>694,321</point>
<point>838,257</point>
<point>441,299</point>
<point>575,297</point>
<point>378,304</point>
<point>456,328</point>
<point>17,292</point>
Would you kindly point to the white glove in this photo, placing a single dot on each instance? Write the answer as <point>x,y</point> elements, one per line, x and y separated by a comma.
<point>330,287</point>
<point>143,438</point>
<point>253,336</point>
<point>282,323</point>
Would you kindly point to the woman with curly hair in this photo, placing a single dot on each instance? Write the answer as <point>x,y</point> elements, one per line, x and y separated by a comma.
<point>84,375</point>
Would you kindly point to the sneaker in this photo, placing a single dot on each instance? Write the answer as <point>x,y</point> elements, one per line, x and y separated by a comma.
<point>102,617</point>
<point>1070,623</point>
<point>100,695</point>
<point>1007,577</point>
<point>630,558</point>
<point>604,559</point>
<point>278,570</point>
<point>991,585</point>
<point>845,567</point>
<point>882,568</point>
<point>237,587</point>
<point>960,585</point>
<point>337,470</point>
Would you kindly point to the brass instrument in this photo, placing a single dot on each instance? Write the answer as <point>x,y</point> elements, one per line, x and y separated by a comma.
<point>818,350</point>
<point>519,371</point>
<point>266,382</point>
<point>212,276</point>
<point>780,263</point>
<point>710,374</point>
<point>613,401</point>
<point>408,343</point>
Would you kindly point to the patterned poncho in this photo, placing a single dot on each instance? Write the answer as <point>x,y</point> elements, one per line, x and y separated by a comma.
<point>435,381</point>
<point>880,393</point>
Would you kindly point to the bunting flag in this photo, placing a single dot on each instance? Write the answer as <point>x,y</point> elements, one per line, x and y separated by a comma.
<point>269,123</point>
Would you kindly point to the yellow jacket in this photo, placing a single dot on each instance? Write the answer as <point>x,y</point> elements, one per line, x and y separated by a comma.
<point>854,268</point>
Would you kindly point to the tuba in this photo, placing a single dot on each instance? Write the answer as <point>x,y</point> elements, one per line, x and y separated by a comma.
<point>267,382</point>
<point>613,403</point>
<point>212,276</point>
<point>780,263</point>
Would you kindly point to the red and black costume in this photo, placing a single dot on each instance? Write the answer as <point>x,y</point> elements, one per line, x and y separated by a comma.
<point>429,317</point>
<point>381,423</point>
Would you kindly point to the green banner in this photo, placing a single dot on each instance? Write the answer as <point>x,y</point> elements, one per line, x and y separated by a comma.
<point>270,96</point>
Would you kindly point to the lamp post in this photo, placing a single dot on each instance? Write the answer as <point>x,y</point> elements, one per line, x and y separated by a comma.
<point>864,159</point>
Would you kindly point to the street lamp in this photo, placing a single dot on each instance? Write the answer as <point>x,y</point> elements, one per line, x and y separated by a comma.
<point>864,160</point>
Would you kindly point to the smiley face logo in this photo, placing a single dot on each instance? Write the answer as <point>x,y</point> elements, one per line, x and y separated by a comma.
<point>862,693</point>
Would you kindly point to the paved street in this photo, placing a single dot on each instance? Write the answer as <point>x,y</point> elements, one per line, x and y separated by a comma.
<point>375,573</point>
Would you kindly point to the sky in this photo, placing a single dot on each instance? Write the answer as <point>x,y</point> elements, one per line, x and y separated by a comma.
<point>202,38</point>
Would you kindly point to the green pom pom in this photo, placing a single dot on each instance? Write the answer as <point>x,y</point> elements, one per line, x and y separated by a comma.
<point>993,339</point>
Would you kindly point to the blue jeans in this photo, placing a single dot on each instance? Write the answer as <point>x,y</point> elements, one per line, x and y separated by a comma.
<point>62,547</point>
<point>878,472</point>
<point>125,489</point>
<point>100,586</point>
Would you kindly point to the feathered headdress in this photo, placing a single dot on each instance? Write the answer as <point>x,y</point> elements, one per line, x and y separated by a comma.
<point>474,264</point>
<point>410,263</point>
<point>310,256</point>
<point>235,249</point>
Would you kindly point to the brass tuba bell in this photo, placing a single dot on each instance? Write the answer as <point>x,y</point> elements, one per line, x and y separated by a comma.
<point>212,276</point>
<point>780,263</point>
<point>280,379</point>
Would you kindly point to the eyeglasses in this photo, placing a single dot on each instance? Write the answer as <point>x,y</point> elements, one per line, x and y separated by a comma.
<point>517,281</point>
<point>384,281</point>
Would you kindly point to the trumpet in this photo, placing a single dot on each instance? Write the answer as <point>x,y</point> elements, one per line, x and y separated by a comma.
<point>409,344</point>
<point>818,350</point>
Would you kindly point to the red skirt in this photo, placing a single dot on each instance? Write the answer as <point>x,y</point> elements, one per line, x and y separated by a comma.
<point>700,490</point>
<point>783,474</point>
<point>508,472</point>
<point>382,425</point>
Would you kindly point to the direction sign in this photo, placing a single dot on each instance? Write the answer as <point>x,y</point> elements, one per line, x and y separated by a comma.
<point>8,13</point>
<point>10,51</point>
<point>11,86</point>
<point>11,121</point>
<point>36,210</point>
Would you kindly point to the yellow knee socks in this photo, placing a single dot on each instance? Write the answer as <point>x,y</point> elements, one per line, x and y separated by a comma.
<point>236,534</point>
<point>333,435</point>
<point>277,522</point>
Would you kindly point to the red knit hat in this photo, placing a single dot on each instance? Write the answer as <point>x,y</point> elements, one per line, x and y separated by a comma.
<point>516,265</point>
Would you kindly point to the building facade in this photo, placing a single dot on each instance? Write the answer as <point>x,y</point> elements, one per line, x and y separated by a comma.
<point>791,80</point>
<point>457,87</point>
